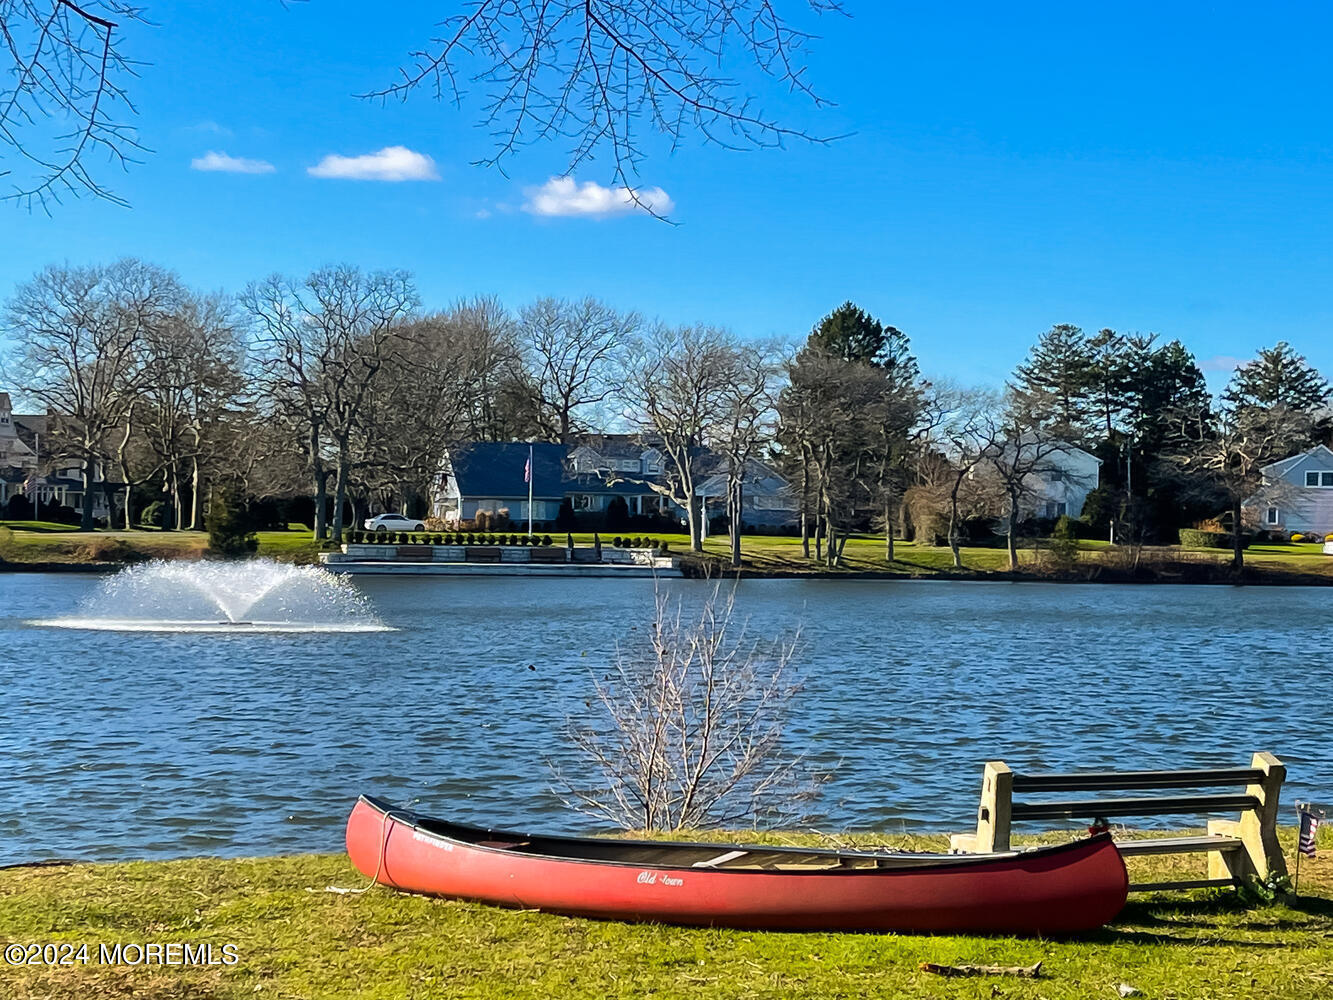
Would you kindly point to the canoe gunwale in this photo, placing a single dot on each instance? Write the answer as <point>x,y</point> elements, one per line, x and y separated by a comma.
<point>917,862</point>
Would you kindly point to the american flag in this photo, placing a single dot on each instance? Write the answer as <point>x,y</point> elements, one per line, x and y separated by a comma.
<point>527,467</point>
<point>1309,828</point>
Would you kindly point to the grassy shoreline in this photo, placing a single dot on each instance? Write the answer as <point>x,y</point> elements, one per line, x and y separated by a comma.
<point>294,939</point>
<point>37,546</point>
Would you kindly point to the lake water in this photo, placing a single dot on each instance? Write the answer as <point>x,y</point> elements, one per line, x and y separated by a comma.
<point>138,745</point>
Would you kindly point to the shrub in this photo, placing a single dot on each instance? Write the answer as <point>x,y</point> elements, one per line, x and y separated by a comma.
<point>229,531</point>
<point>154,515</point>
<point>616,542</point>
<point>546,540</point>
<point>1297,537</point>
<point>513,539</point>
<point>617,513</point>
<point>663,545</point>
<point>565,520</point>
<point>1064,540</point>
<point>1196,538</point>
<point>1328,538</point>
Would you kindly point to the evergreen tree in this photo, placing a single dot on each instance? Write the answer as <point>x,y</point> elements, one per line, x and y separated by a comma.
<point>849,333</point>
<point>1057,379</point>
<point>1108,380</point>
<point>230,530</point>
<point>1277,377</point>
<point>1160,381</point>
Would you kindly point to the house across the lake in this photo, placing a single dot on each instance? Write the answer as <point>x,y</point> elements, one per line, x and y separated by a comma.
<point>21,435</point>
<point>591,474</point>
<point>1297,495</point>
<point>490,477</point>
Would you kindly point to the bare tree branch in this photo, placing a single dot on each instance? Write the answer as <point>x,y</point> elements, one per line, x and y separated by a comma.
<point>60,95</point>
<point>595,71</point>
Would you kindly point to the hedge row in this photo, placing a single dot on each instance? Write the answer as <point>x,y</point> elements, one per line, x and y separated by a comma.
<point>458,538</point>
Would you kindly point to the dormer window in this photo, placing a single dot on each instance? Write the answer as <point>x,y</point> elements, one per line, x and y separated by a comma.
<point>1321,480</point>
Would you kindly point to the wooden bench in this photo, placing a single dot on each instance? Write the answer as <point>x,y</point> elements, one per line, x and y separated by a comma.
<point>422,553</point>
<point>482,553</point>
<point>1236,849</point>
<point>546,555</point>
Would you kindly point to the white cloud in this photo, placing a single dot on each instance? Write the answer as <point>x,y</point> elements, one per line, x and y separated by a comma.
<point>231,164</point>
<point>1221,363</point>
<point>392,163</point>
<point>565,196</point>
<point>211,127</point>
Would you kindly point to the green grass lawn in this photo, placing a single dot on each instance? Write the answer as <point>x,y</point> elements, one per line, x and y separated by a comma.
<point>46,542</point>
<point>295,940</point>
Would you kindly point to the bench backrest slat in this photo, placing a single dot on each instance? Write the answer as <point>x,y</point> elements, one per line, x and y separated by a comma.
<point>1093,781</point>
<point>1154,806</point>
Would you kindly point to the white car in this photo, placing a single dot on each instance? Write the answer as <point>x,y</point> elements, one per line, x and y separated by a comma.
<point>382,523</point>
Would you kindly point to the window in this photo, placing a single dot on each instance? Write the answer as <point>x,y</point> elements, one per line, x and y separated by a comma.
<point>1326,479</point>
<point>1273,515</point>
<point>1312,479</point>
<point>581,501</point>
<point>1055,508</point>
<point>1323,480</point>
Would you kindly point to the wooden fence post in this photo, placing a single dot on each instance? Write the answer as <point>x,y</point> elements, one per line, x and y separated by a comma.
<point>1257,829</point>
<point>993,816</point>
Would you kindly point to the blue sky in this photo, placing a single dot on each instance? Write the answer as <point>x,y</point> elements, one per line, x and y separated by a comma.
<point>1143,167</point>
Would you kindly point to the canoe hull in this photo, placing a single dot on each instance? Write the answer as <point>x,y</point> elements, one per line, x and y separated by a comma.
<point>1057,891</point>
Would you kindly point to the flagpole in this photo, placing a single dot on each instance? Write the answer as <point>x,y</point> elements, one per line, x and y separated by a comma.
<point>531,475</point>
<point>36,470</point>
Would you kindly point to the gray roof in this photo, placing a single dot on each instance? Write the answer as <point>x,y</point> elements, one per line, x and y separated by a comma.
<point>495,470</point>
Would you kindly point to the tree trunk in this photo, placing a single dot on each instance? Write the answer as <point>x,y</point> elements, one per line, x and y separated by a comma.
<point>954,545</point>
<point>805,533</point>
<point>340,494</point>
<point>321,503</point>
<point>888,531</point>
<point>692,517</point>
<point>196,507</point>
<point>86,517</point>
<point>734,523</point>
<point>1237,547</point>
<point>1013,532</point>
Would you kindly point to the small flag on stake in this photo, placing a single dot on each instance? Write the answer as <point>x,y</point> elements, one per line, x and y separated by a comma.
<point>1309,830</point>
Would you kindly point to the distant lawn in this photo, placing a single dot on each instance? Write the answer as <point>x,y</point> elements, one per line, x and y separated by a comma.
<point>38,526</point>
<point>42,541</point>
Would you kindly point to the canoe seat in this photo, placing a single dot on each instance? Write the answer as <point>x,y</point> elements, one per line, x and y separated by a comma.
<point>721,859</point>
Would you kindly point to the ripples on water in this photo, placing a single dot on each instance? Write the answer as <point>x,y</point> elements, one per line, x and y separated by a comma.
<point>154,744</point>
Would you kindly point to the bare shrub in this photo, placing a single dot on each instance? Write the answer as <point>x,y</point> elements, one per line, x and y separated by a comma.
<point>687,731</point>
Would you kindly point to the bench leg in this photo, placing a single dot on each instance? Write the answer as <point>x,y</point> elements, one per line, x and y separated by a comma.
<point>995,812</point>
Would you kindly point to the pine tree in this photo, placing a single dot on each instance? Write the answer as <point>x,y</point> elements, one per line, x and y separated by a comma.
<point>1160,381</point>
<point>849,333</point>
<point>1277,377</point>
<point>1108,381</point>
<point>1057,379</point>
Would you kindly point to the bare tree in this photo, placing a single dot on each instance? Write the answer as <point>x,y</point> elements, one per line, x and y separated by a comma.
<point>676,387</point>
<point>80,335</point>
<point>320,346</point>
<point>601,72</point>
<point>571,349</point>
<point>192,374</point>
<point>1219,455</point>
<point>832,418</point>
<point>745,424</point>
<point>65,95</point>
<point>1023,452</point>
<point>952,452</point>
<point>689,732</point>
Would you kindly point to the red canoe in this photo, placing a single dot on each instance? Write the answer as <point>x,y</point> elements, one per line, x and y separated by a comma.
<point>1051,890</point>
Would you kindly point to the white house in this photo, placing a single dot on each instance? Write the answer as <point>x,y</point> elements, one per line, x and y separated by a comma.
<point>1063,485</point>
<point>1063,475</point>
<point>18,465</point>
<point>1297,495</point>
